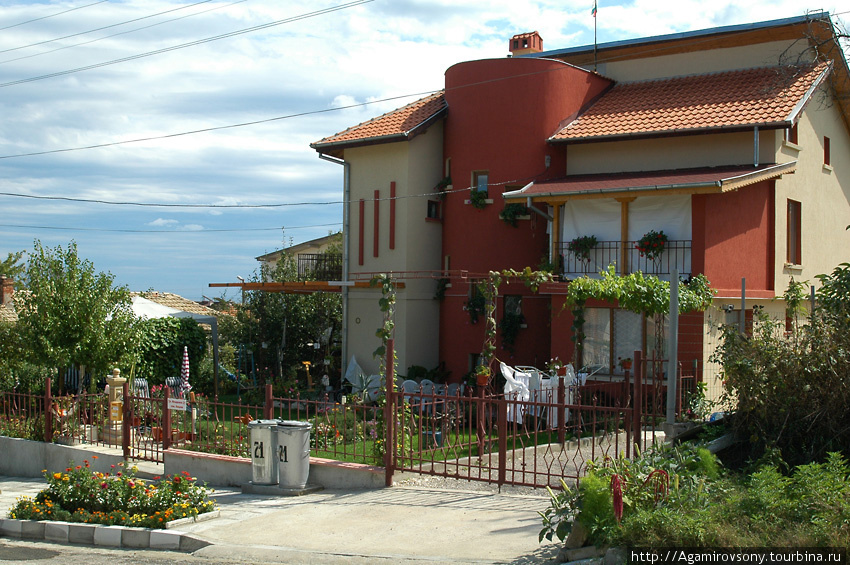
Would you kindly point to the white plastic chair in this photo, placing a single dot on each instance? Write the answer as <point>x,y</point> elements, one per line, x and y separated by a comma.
<point>516,389</point>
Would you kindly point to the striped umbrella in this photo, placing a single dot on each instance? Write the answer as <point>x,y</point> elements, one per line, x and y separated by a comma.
<point>184,372</point>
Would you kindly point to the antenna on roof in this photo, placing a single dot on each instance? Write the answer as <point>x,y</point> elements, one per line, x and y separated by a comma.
<point>594,34</point>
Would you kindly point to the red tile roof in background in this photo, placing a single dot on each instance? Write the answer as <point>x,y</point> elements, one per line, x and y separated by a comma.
<point>718,100</point>
<point>399,122</point>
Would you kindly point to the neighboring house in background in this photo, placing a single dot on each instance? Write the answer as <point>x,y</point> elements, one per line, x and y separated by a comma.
<point>7,297</point>
<point>314,258</point>
<point>178,303</point>
<point>733,141</point>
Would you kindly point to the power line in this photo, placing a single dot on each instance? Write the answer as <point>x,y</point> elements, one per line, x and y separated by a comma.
<point>217,128</point>
<point>244,206</point>
<point>103,28</point>
<point>191,43</point>
<point>107,230</point>
<point>123,32</point>
<point>52,15</point>
<point>300,114</point>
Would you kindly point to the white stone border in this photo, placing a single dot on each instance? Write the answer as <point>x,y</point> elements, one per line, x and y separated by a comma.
<point>109,536</point>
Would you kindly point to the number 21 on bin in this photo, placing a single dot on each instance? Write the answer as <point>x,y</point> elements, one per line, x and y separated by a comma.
<point>281,452</point>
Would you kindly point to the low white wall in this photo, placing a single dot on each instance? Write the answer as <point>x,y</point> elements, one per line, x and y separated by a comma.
<point>223,470</point>
<point>26,458</point>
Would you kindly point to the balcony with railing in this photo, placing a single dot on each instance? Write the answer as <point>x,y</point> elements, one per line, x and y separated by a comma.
<point>676,254</point>
<point>320,266</point>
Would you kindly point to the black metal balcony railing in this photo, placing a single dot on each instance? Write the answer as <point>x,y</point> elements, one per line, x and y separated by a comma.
<point>320,266</point>
<point>677,253</point>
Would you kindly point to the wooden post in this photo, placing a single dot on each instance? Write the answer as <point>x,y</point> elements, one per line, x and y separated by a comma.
<point>390,415</point>
<point>624,235</point>
<point>48,412</point>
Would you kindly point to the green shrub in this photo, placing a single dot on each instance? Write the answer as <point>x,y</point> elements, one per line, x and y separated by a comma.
<point>791,392</point>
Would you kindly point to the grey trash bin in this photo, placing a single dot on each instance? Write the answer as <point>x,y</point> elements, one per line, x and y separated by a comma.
<point>263,451</point>
<point>293,453</point>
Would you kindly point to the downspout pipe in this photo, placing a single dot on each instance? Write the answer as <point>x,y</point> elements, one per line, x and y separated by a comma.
<point>346,248</point>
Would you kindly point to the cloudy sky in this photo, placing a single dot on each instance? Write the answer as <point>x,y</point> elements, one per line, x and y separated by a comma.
<point>251,83</point>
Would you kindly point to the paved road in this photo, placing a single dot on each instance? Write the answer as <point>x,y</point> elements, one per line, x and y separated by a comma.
<point>406,524</point>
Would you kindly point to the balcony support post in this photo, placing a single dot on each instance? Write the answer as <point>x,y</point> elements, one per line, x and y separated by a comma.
<point>624,234</point>
<point>555,255</point>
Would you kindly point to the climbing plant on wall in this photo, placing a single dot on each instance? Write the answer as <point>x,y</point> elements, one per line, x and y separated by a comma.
<point>636,292</point>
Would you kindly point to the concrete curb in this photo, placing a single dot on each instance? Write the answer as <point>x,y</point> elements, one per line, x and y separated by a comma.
<point>109,536</point>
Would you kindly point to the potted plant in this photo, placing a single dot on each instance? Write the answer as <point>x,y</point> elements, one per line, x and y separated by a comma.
<point>512,213</point>
<point>482,375</point>
<point>478,199</point>
<point>581,246</point>
<point>652,244</point>
<point>556,367</point>
<point>625,363</point>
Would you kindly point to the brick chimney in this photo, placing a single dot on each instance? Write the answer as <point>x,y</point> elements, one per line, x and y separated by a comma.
<point>7,289</point>
<point>523,43</point>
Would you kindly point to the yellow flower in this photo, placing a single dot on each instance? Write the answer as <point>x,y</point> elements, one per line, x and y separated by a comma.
<point>57,475</point>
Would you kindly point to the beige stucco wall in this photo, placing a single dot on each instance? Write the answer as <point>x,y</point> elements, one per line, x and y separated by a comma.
<point>415,167</point>
<point>669,153</point>
<point>718,60</point>
<point>825,204</point>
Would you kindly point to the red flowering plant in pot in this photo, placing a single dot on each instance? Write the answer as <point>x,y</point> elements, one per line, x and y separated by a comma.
<point>652,244</point>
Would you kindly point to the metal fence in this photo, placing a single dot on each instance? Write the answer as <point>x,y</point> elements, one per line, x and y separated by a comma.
<point>677,253</point>
<point>537,440</point>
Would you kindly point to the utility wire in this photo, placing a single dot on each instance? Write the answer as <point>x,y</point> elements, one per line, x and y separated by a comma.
<point>300,114</point>
<point>123,32</point>
<point>278,228</point>
<point>191,43</point>
<point>273,205</point>
<point>52,15</point>
<point>217,128</point>
<point>104,27</point>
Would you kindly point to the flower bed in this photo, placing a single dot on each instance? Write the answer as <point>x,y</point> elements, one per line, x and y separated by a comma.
<point>120,499</point>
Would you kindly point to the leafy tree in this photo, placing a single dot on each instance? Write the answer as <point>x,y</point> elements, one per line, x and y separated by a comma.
<point>11,266</point>
<point>161,342</point>
<point>278,327</point>
<point>72,316</point>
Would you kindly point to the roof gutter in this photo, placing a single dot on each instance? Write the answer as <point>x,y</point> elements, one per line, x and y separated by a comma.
<point>346,248</point>
<point>666,133</point>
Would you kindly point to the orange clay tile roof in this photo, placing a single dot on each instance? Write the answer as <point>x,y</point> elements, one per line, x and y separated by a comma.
<point>399,123</point>
<point>719,178</point>
<point>726,100</point>
<point>178,302</point>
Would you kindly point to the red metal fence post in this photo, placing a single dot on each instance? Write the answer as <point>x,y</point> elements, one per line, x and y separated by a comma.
<point>268,406</point>
<point>127,420</point>
<point>390,414</point>
<point>166,420</point>
<point>637,405</point>
<point>48,412</point>
<point>502,423</point>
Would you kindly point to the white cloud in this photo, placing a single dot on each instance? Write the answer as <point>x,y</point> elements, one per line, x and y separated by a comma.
<point>162,222</point>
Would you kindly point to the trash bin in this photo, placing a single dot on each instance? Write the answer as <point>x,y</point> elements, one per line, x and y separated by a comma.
<point>293,453</point>
<point>263,451</point>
